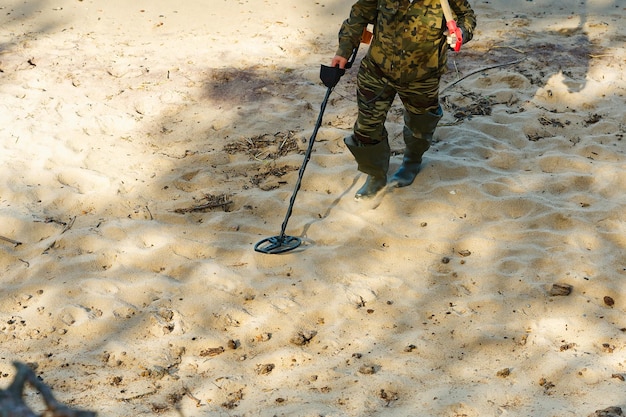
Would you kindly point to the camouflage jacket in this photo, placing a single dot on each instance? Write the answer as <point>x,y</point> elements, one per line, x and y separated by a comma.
<point>408,42</point>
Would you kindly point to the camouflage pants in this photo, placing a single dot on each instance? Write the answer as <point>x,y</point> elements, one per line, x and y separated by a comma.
<point>375,95</point>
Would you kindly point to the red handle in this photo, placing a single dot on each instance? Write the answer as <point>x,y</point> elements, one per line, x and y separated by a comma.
<point>453,29</point>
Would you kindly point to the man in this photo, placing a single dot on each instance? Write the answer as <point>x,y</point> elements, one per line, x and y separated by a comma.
<point>407,57</point>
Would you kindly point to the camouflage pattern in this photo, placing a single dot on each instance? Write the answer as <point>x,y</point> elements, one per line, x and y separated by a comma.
<point>407,56</point>
<point>375,95</point>
<point>408,42</point>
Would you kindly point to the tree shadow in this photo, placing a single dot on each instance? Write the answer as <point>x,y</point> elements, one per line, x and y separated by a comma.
<point>176,279</point>
<point>22,22</point>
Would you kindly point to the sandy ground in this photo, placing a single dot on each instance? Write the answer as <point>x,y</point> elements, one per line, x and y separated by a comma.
<point>146,146</point>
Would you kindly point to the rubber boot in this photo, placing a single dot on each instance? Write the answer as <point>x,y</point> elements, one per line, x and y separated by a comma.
<point>372,160</point>
<point>418,133</point>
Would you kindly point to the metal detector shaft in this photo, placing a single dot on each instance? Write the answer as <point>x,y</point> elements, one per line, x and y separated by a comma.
<point>282,243</point>
<point>307,157</point>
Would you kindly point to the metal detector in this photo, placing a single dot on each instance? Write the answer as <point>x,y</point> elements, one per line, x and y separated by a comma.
<point>283,243</point>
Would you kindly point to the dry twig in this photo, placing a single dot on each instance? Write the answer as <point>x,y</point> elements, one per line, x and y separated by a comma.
<point>11,241</point>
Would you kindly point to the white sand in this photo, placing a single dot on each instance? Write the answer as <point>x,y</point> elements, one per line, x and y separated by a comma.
<point>112,117</point>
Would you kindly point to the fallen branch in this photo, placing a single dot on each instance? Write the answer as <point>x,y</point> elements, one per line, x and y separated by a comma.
<point>479,71</point>
<point>509,47</point>
<point>12,404</point>
<point>202,207</point>
<point>66,227</point>
<point>214,201</point>
<point>191,396</point>
<point>69,225</point>
<point>11,241</point>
